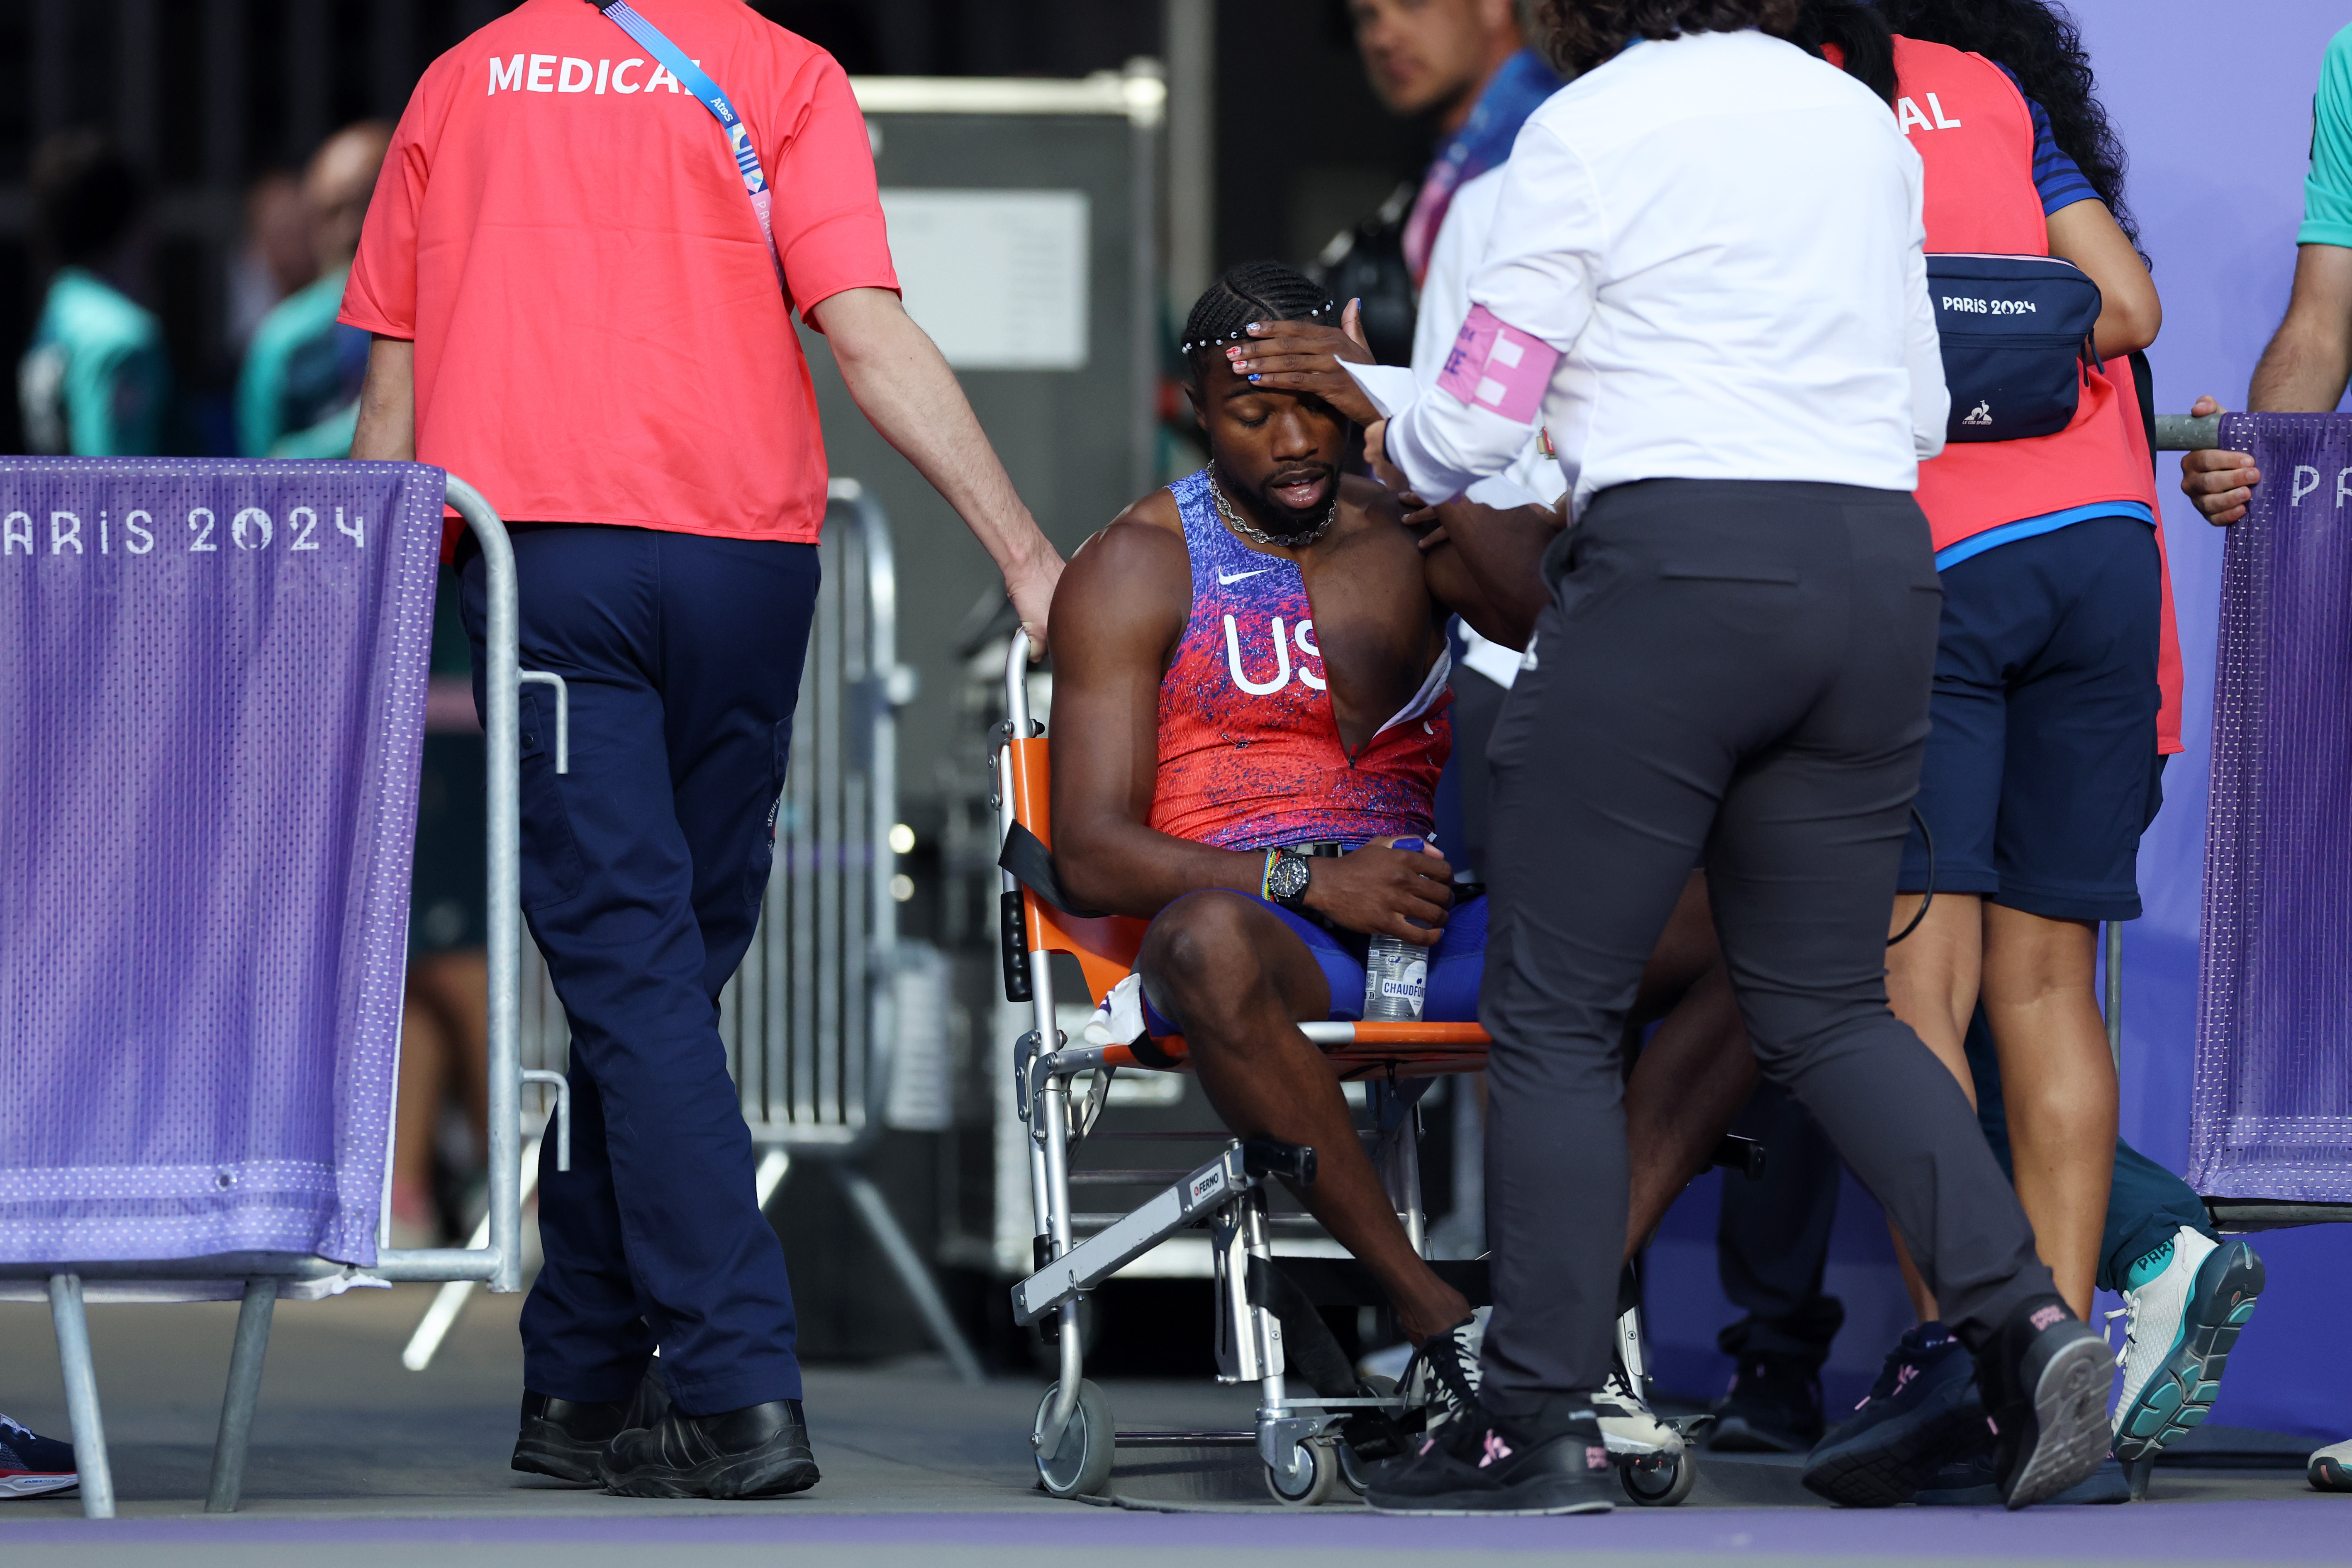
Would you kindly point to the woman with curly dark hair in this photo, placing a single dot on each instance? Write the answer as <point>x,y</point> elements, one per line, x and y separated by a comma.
<point>2049,715</point>
<point>1706,281</point>
<point>2043,50</point>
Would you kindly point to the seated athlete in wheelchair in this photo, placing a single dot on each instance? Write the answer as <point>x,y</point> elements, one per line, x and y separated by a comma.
<point>1250,715</point>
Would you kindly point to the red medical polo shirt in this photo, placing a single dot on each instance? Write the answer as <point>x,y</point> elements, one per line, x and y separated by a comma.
<point>600,337</point>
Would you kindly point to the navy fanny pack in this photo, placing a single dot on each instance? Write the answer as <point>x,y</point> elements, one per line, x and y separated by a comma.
<point>2017,342</point>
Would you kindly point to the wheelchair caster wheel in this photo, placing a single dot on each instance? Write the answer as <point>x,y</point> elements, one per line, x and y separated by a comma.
<point>1079,1465</point>
<point>1659,1481</point>
<point>1313,1479</point>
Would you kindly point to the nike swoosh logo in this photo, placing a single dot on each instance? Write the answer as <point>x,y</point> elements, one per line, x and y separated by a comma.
<point>1225,582</point>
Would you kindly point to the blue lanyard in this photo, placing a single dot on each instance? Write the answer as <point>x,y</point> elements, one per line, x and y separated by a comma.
<point>706,91</point>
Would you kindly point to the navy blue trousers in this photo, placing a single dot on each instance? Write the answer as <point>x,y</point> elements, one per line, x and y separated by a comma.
<point>642,874</point>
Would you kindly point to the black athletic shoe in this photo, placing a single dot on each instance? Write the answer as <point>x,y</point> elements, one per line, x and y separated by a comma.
<point>1476,1463</point>
<point>1920,1414</point>
<point>565,1438</point>
<point>2045,1375</point>
<point>762,1450</point>
<point>1973,1483</point>
<point>1773,1406</point>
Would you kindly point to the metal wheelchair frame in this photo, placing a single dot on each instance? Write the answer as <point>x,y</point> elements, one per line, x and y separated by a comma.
<point>1073,1436</point>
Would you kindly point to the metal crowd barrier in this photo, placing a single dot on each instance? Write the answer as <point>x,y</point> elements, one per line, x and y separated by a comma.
<point>808,1020</point>
<point>496,1257</point>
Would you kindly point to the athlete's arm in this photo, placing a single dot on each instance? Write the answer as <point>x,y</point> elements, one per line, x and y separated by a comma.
<point>1118,612</point>
<point>1484,565</point>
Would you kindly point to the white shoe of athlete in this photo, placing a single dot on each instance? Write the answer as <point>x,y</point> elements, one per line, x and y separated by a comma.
<point>1627,1424</point>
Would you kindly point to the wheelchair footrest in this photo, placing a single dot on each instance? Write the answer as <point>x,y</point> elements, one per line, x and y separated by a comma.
<point>1097,1259</point>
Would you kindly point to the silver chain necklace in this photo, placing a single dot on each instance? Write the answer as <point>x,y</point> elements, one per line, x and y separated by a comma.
<point>1255,535</point>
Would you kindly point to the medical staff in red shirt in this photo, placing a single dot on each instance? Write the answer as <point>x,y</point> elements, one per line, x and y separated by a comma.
<point>580,270</point>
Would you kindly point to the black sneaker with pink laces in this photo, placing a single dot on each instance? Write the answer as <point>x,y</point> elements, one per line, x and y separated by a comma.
<point>1482,1463</point>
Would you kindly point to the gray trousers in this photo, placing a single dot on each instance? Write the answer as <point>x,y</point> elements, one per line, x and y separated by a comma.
<point>1733,675</point>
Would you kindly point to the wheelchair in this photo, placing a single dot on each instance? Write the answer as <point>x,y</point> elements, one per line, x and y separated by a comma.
<point>1296,1435</point>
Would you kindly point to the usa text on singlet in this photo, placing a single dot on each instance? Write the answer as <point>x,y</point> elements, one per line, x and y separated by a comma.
<point>1250,755</point>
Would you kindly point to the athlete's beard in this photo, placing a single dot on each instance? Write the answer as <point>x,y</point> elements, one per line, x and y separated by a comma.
<point>1274,515</point>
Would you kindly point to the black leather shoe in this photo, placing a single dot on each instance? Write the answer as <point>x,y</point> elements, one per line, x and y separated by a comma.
<point>565,1438</point>
<point>1478,1463</point>
<point>2045,1375</point>
<point>762,1450</point>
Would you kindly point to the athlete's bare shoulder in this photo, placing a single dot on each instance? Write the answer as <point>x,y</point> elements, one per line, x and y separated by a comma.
<point>1135,574</point>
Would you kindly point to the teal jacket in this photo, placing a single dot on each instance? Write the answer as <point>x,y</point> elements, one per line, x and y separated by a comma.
<point>96,382</point>
<point>299,395</point>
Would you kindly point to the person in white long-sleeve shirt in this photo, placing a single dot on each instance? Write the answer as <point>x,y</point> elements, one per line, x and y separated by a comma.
<point>1706,279</point>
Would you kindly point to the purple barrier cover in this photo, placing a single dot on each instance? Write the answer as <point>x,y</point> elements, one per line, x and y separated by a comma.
<point>210,729</point>
<point>2271,1103</point>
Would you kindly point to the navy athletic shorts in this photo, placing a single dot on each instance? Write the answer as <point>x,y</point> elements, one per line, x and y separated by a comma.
<point>1456,964</point>
<point>2042,765</point>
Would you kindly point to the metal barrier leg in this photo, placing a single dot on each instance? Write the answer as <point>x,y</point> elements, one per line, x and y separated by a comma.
<point>867,1200</point>
<point>2115,998</point>
<point>774,1166</point>
<point>72,1326</point>
<point>245,1363</point>
<point>451,1299</point>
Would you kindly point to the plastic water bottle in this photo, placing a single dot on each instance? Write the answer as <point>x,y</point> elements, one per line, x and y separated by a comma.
<point>1396,972</point>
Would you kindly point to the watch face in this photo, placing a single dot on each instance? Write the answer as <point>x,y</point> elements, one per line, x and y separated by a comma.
<point>1290,873</point>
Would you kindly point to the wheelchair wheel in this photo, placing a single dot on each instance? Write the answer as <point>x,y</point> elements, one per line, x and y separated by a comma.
<point>1659,1481</point>
<point>1314,1480</point>
<point>1353,1472</point>
<point>1080,1465</point>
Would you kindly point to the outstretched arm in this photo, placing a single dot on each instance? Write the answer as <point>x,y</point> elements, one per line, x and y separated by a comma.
<point>1118,615</point>
<point>902,382</point>
<point>2304,371</point>
<point>1485,565</point>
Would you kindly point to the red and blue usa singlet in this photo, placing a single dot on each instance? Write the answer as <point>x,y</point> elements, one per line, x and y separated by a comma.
<point>1250,755</point>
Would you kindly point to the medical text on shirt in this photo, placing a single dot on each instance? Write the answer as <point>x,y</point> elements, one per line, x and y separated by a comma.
<point>569,73</point>
<point>1906,115</point>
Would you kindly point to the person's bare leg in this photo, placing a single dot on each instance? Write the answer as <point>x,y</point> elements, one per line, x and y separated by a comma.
<point>1932,976</point>
<point>2058,1082</point>
<point>1697,1073</point>
<point>1237,981</point>
<point>459,983</point>
<point>417,1109</point>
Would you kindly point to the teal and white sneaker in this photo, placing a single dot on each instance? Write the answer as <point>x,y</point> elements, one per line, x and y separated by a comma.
<point>2184,1304</point>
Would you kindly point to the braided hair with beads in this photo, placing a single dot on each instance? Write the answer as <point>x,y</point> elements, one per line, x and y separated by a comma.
<point>1254,291</point>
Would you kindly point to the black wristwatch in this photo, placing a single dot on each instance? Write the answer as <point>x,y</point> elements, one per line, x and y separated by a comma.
<point>1286,872</point>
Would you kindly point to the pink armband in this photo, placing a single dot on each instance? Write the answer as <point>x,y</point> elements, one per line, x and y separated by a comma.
<point>1497,367</point>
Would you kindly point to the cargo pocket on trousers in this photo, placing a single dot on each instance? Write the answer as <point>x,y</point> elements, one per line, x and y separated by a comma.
<point>551,856</point>
<point>762,858</point>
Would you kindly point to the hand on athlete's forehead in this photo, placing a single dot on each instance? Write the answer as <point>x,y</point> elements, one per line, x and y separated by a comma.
<point>1306,356</point>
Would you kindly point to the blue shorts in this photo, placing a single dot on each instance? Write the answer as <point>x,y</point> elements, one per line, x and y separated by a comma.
<point>1455,965</point>
<point>2041,764</point>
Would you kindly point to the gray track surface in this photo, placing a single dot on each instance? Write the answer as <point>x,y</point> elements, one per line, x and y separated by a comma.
<point>367,1464</point>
